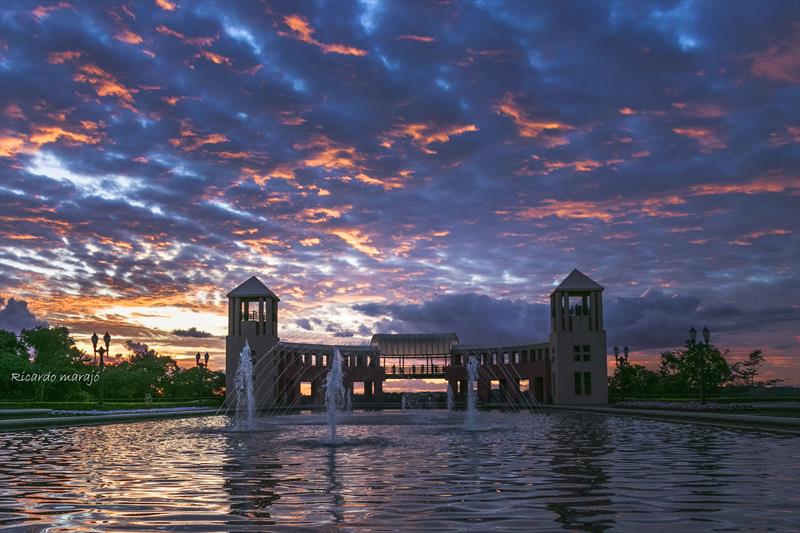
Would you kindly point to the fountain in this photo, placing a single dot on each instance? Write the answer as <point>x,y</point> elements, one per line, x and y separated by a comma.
<point>333,391</point>
<point>472,400</point>
<point>243,382</point>
<point>348,406</point>
<point>449,397</point>
<point>403,401</point>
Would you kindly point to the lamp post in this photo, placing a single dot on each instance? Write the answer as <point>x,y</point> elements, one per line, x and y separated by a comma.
<point>102,351</point>
<point>701,351</point>
<point>200,371</point>
<point>616,354</point>
<point>626,351</point>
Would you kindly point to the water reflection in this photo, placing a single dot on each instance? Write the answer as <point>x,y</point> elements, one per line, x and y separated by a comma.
<point>417,470</point>
<point>578,459</point>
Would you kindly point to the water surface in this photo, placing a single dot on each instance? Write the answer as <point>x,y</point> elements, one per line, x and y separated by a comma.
<point>411,470</point>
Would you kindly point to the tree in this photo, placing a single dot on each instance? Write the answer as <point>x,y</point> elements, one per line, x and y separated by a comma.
<point>746,371</point>
<point>14,360</point>
<point>55,353</point>
<point>695,367</point>
<point>629,379</point>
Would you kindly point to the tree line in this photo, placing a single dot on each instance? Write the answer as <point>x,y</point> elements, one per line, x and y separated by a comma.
<point>44,364</point>
<point>694,370</point>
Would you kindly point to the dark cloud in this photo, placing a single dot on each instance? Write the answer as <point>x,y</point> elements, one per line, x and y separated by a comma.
<point>192,332</point>
<point>475,318</point>
<point>304,323</point>
<point>15,316</point>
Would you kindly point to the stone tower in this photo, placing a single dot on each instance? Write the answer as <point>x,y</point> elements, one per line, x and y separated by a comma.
<point>578,342</point>
<point>252,317</point>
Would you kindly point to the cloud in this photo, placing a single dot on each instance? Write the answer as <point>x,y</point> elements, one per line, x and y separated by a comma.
<point>423,135</point>
<point>304,323</point>
<point>166,5</point>
<point>15,316</point>
<point>302,31</point>
<point>705,137</point>
<point>780,62</point>
<point>530,127</point>
<point>192,332</point>
<point>475,318</point>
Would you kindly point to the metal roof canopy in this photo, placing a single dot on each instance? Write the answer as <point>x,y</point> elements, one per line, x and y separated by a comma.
<point>414,344</point>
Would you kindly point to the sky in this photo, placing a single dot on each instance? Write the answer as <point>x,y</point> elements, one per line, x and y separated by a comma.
<point>402,167</point>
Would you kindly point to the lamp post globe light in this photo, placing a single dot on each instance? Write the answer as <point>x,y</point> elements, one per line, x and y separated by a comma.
<point>95,338</point>
<point>102,351</point>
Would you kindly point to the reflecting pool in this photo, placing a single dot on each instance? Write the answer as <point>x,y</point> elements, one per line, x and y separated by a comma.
<point>411,470</point>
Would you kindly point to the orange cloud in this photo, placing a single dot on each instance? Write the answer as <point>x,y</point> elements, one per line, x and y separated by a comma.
<point>705,137</point>
<point>418,38</point>
<point>290,118</point>
<point>58,58</point>
<point>319,215</point>
<point>11,144</point>
<point>780,62</point>
<point>127,36</point>
<point>302,31</point>
<point>192,141</point>
<point>627,111</point>
<point>106,84</point>
<point>214,58</point>
<point>311,241</point>
<point>746,240</point>
<point>50,134</point>
<point>194,41</point>
<point>566,209</point>
<point>356,239</point>
<point>166,5</point>
<point>387,183</point>
<point>790,135</point>
<point>329,154</point>
<point>234,155</point>
<point>774,183</point>
<point>423,135</point>
<point>528,127</point>
<point>605,210</point>
<point>12,110</point>
<point>585,165</point>
<point>43,11</point>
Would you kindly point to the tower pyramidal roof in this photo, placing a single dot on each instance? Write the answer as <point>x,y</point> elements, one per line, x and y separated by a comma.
<point>252,288</point>
<point>578,281</point>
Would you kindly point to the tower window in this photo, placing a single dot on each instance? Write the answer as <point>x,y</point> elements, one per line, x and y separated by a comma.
<point>579,303</point>
<point>578,383</point>
<point>587,383</point>
<point>582,353</point>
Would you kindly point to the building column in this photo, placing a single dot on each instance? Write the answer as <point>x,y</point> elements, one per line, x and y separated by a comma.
<point>238,316</point>
<point>261,327</point>
<point>368,390</point>
<point>378,394</point>
<point>484,389</point>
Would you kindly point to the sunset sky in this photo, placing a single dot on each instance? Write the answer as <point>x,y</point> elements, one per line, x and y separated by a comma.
<point>402,167</point>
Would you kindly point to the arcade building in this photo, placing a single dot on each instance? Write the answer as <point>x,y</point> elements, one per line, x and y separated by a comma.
<point>569,367</point>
